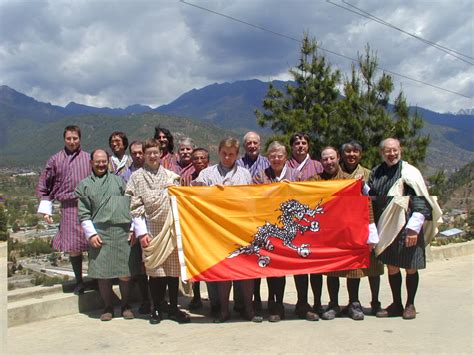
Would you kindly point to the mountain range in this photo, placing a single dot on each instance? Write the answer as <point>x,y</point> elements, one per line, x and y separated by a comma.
<point>224,109</point>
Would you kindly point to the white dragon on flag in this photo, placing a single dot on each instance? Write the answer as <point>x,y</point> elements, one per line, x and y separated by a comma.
<point>293,213</point>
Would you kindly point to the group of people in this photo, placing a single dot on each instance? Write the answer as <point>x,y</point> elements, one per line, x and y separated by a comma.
<point>116,207</point>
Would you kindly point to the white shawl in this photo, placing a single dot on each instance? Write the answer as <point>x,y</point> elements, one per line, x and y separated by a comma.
<point>393,219</point>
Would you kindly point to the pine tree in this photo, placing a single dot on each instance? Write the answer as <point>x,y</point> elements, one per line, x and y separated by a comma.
<point>313,105</point>
<point>307,106</point>
<point>368,118</point>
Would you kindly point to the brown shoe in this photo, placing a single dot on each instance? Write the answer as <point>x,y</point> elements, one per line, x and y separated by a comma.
<point>107,315</point>
<point>306,312</point>
<point>311,316</point>
<point>274,318</point>
<point>127,313</point>
<point>409,312</point>
<point>394,310</point>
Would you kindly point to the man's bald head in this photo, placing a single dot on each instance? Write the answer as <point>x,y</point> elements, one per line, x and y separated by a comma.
<point>99,161</point>
<point>390,151</point>
<point>252,144</point>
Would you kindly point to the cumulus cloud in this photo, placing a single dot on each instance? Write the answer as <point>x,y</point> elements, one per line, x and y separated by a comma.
<point>117,53</point>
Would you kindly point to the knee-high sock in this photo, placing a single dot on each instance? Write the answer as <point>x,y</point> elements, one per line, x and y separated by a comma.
<point>280,289</point>
<point>223,290</point>
<point>271,282</point>
<point>333,290</point>
<point>105,290</point>
<point>301,283</point>
<point>157,290</point>
<point>353,289</point>
<point>142,282</point>
<point>125,292</point>
<point>247,293</point>
<point>196,290</point>
<point>374,282</point>
<point>256,290</point>
<point>412,286</point>
<point>316,281</point>
<point>173,289</point>
<point>76,262</point>
<point>395,282</point>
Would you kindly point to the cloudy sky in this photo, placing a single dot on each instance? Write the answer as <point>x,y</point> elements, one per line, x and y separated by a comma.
<point>122,52</point>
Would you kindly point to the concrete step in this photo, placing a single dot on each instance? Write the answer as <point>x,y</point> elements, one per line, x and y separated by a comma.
<point>45,302</point>
<point>39,291</point>
<point>450,250</point>
<point>32,292</point>
<point>50,305</point>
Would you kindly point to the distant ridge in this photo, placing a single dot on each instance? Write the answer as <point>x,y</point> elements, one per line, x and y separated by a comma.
<point>227,105</point>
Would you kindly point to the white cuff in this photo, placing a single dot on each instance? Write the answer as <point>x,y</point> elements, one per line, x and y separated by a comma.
<point>132,229</point>
<point>415,222</point>
<point>365,189</point>
<point>373,234</point>
<point>88,228</point>
<point>139,226</point>
<point>46,207</point>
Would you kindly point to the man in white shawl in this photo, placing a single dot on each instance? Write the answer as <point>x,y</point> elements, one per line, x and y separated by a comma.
<point>407,218</point>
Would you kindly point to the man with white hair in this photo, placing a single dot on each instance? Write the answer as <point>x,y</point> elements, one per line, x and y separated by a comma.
<point>185,148</point>
<point>407,219</point>
<point>254,162</point>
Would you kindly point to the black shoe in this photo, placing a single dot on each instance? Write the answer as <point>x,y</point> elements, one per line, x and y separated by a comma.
<point>375,307</point>
<point>196,303</point>
<point>179,316</point>
<point>331,312</point>
<point>355,311</point>
<point>144,308</point>
<point>79,289</point>
<point>155,317</point>
<point>394,310</point>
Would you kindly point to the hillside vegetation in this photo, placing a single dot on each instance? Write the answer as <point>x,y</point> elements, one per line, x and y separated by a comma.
<point>458,190</point>
<point>31,143</point>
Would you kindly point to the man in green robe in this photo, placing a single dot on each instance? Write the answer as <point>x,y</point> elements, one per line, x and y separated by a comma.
<point>105,218</point>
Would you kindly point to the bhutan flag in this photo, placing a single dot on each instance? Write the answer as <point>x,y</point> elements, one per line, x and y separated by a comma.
<point>253,231</point>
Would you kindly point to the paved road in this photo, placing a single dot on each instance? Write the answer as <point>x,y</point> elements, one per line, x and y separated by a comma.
<point>444,324</point>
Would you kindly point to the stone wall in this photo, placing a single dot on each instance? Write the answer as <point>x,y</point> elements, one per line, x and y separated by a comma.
<point>3,298</point>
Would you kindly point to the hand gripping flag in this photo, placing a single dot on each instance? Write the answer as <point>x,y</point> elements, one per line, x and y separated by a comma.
<point>253,231</point>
